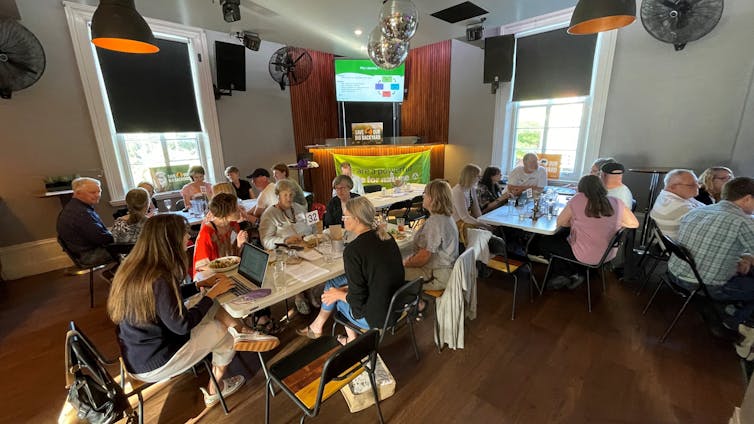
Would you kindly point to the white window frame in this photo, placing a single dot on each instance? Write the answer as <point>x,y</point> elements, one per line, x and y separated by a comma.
<point>79,19</point>
<point>503,146</point>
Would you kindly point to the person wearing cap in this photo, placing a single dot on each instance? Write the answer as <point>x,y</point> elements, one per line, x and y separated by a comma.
<point>675,200</point>
<point>612,177</point>
<point>260,178</point>
<point>529,175</point>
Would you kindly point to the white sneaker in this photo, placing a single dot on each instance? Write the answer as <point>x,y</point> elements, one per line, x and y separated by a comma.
<point>743,348</point>
<point>253,342</point>
<point>230,386</point>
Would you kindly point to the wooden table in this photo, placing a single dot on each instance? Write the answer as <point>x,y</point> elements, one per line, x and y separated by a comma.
<point>406,193</point>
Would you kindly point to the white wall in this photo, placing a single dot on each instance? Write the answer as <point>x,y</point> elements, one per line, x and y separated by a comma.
<point>472,108</point>
<point>743,153</point>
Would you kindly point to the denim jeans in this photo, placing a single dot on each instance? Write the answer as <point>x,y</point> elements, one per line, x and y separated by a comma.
<point>739,289</point>
<point>343,307</point>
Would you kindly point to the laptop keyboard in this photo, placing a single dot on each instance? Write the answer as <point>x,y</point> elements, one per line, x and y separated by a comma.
<point>239,288</point>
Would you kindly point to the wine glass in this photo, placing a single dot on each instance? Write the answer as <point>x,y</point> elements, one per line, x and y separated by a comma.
<point>168,204</point>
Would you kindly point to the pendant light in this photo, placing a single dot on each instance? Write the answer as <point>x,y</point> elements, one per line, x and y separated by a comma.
<point>116,25</point>
<point>593,16</point>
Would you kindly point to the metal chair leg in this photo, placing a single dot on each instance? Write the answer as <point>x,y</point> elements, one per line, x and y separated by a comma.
<point>268,387</point>
<point>532,282</point>
<point>547,274</point>
<point>217,386</point>
<point>678,315</point>
<point>91,287</point>
<point>141,407</point>
<point>413,337</point>
<point>588,291</point>
<point>515,287</point>
<point>648,277</point>
<point>651,299</point>
<point>376,393</point>
<point>604,285</point>
<point>266,373</point>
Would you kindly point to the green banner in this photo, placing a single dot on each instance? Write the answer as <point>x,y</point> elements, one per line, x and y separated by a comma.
<point>384,170</point>
<point>365,67</point>
<point>169,178</point>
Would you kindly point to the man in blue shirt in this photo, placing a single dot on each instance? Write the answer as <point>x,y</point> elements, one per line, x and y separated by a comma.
<point>80,227</point>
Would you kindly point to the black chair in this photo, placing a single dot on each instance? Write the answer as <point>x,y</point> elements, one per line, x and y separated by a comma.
<point>179,205</point>
<point>615,243</point>
<point>403,307</point>
<point>118,249</point>
<point>683,254</point>
<point>85,268</point>
<point>397,210</point>
<point>372,188</point>
<point>327,365</point>
<point>416,213</point>
<point>654,251</point>
<point>120,212</point>
<point>502,263</point>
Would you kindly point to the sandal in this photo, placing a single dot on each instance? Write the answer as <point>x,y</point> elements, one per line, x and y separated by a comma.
<point>420,308</point>
<point>307,332</point>
<point>270,327</point>
<point>342,339</point>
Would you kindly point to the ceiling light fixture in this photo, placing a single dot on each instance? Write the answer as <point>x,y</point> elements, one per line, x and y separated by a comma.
<point>593,16</point>
<point>357,32</point>
<point>116,25</point>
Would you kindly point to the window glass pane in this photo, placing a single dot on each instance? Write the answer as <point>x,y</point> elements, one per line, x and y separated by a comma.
<point>527,140</point>
<point>532,117</point>
<point>566,115</point>
<point>183,149</point>
<point>567,160</point>
<point>562,138</point>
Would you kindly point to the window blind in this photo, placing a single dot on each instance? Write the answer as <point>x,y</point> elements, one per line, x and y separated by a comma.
<point>151,93</point>
<point>553,65</point>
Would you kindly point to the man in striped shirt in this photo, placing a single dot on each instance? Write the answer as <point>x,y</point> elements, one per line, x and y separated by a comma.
<point>675,201</point>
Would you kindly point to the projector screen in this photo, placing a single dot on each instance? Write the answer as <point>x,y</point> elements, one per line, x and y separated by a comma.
<point>360,80</point>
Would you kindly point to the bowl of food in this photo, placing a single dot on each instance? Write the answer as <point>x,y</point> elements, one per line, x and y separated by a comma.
<point>312,240</point>
<point>224,264</point>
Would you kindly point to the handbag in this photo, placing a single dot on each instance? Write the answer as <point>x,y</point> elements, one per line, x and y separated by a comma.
<point>94,404</point>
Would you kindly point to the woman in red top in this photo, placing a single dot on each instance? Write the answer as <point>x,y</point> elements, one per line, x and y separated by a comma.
<point>215,236</point>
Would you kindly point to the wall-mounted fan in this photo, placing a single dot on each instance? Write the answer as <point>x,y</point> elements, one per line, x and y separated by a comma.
<point>290,66</point>
<point>22,58</point>
<point>680,21</point>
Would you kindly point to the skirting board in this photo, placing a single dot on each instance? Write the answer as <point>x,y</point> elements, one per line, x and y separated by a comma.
<point>36,257</point>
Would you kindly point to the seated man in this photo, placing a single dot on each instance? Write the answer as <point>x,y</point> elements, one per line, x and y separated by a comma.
<point>529,175</point>
<point>260,178</point>
<point>720,238</point>
<point>80,227</point>
<point>612,177</point>
<point>675,201</point>
<point>358,186</point>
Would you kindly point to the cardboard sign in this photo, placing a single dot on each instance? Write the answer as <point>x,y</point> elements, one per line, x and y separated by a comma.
<point>551,163</point>
<point>367,133</point>
<point>312,217</point>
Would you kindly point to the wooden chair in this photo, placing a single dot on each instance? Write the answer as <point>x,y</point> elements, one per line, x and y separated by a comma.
<point>403,307</point>
<point>509,267</point>
<point>312,374</point>
<point>615,243</point>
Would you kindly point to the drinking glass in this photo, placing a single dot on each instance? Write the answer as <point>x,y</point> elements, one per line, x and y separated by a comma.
<point>521,212</point>
<point>278,274</point>
<point>511,207</point>
<point>401,222</point>
<point>168,204</point>
<point>326,249</point>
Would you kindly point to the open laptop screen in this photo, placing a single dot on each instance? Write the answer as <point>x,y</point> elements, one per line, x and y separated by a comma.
<point>253,264</point>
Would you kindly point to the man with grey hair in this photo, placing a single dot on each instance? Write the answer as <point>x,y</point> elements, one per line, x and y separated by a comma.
<point>675,200</point>
<point>80,227</point>
<point>528,175</point>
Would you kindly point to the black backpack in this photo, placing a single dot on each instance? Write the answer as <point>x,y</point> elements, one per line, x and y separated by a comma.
<point>94,394</point>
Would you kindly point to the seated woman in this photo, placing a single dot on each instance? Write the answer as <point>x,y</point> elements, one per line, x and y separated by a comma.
<point>711,184</point>
<point>436,242</point>
<point>342,184</point>
<point>285,223</point>
<point>215,236</point>
<point>466,207</point>
<point>149,187</point>
<point>158,335</point>
<point>489,192</point>
<point>593,219</point>
<point>197,187</point>
<point>371,279</point>
<point>242,187</point>
<point>126,229</point>
<point>280,172</point>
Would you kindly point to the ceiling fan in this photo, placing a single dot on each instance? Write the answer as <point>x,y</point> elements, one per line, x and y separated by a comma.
<point>22,58</point>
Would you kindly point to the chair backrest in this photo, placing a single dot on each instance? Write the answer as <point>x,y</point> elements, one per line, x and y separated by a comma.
<point>633,205</point>
<point>179,205</point>
<point>371,188</point>
<point>346,357</point>
<point>614,244</point>
<point>404,299</point>
<point>682,253</point>
<point>70,254</point>
<point>117,249</point>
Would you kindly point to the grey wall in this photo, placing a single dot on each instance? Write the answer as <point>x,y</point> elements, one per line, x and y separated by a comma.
<point>472,108</point>
<point>46,129</point>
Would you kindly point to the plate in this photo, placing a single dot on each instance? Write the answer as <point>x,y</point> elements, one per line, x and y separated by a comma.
<point>224,264</point>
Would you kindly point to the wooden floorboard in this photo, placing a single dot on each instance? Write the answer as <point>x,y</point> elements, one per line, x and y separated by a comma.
<point>555,363</point>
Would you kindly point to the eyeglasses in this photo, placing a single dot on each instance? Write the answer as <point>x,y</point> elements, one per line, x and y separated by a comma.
<point>342,188</point>
<point>687,185</point>
<point>345,217</point>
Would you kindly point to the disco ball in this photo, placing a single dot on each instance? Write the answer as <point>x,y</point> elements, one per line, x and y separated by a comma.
<point>386,53</point>
<point>398,19</point>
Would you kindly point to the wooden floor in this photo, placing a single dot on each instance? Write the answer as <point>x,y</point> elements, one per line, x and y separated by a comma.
<point>555,363</point>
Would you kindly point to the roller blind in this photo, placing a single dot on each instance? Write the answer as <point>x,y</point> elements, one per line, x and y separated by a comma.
<point>553,65</point>
<point>152,93</point>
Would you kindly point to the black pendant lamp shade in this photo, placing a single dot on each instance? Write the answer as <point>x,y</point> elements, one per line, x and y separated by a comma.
<point>116,25</point>
<point>593,16</point>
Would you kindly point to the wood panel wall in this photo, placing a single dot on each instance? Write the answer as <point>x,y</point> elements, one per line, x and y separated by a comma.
<point>424,113</point>
<point>322,177</point>
<point>426,108</point>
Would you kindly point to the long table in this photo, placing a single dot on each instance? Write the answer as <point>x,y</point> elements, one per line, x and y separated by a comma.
<point>504,216</point>
<point>381,201</point>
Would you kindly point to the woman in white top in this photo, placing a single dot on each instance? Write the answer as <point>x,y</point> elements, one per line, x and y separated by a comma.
<point>197,187</point>
<point>466,208</point>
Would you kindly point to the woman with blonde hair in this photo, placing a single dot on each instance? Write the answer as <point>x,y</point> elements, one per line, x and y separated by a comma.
<point>126,229</point>
<point>711,184</point>
<point>466,207</point>
<point>159,336</point>
<point>436,242</point>
<point>371,279</point>
<point>197,187</point>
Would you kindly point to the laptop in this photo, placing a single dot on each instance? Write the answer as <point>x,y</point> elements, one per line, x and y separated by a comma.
<point>251,270</point>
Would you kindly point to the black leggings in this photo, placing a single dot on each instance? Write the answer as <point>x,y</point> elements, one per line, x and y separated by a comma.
<point>557,244</point>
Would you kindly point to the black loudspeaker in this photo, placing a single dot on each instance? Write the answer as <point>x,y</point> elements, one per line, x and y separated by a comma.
<point>230,60</point>
<point>498,58</point>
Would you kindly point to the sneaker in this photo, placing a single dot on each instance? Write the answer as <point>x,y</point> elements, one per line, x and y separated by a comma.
<point>253,342</point>
<point>575,280</point>
<point>301,306</point>
<point>559,282</point>
<point>743,348</point>
<point>230,386</point>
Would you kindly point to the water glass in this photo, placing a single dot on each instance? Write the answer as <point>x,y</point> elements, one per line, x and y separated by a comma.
<point>326,249</point>
<point>278,274</point>
<point>401,222</point>
<point>511,207</point>
<point>521,212</point>
<point>168,204</point>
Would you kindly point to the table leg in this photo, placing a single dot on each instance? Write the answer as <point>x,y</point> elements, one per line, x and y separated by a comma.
<point>530,237</point>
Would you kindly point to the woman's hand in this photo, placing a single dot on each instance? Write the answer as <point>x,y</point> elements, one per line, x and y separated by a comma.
<point>242,238</point>
<point>221,285</point>
<point>294,239</point>
<point>334,294</point>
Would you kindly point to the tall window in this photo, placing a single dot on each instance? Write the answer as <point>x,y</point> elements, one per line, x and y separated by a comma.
<point>146,152</point>
<point>551,126</point>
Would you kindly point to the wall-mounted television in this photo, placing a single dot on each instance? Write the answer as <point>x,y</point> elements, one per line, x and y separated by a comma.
<point>360,80</point>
